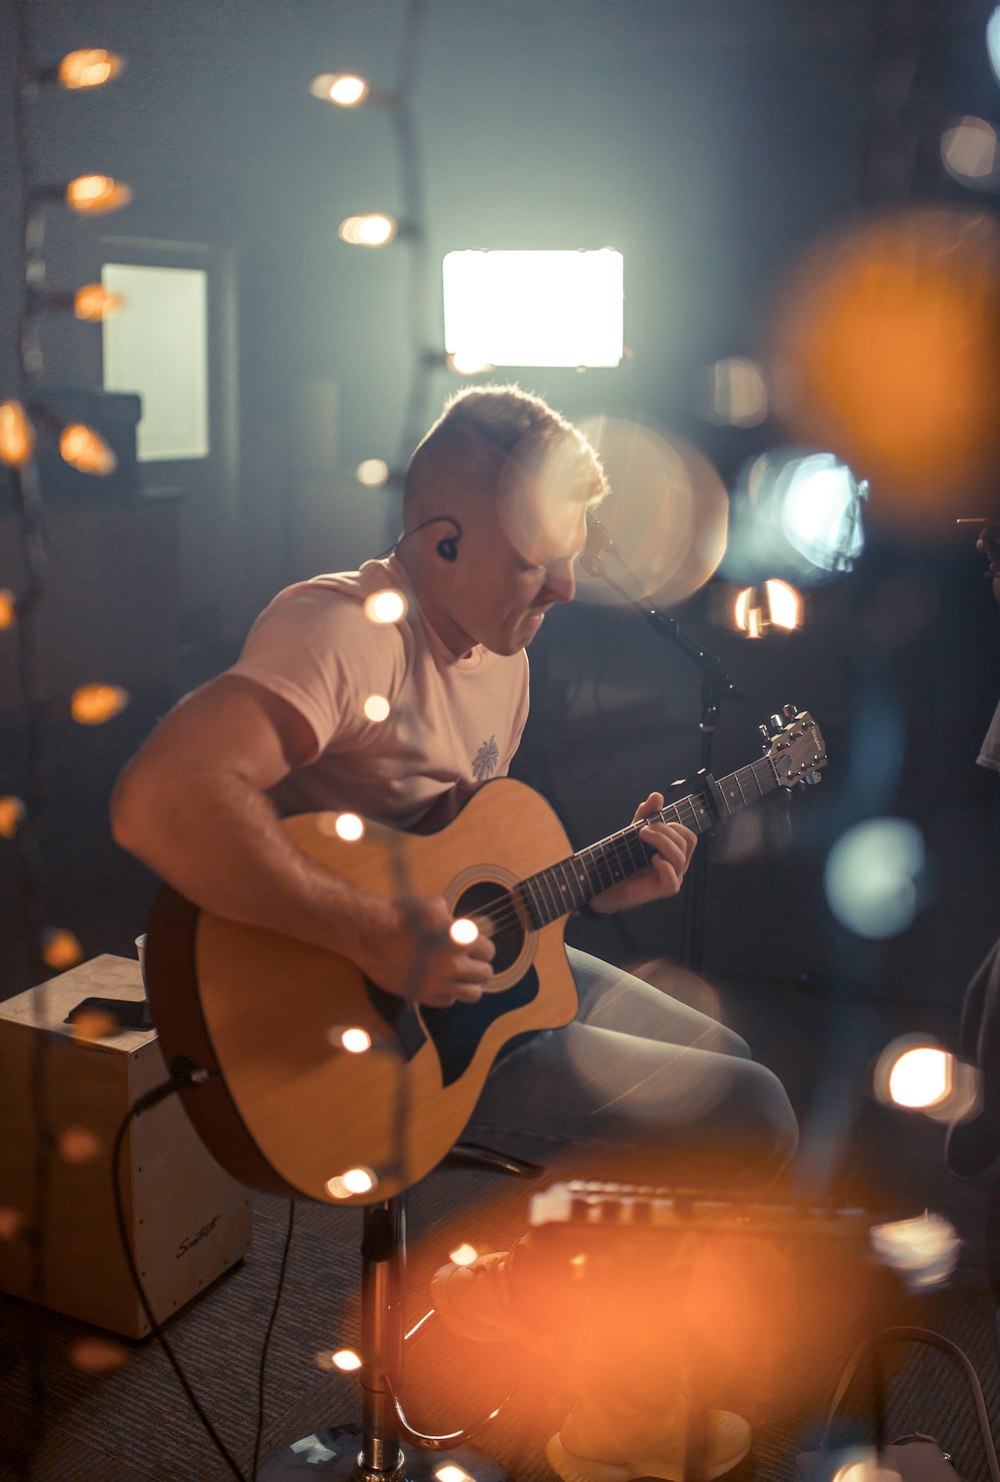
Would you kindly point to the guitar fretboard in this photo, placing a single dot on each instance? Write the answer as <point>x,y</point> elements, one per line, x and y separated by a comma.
<point>569,884</point>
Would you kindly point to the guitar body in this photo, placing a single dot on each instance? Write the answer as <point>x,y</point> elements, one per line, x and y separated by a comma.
<point>286,1108</point>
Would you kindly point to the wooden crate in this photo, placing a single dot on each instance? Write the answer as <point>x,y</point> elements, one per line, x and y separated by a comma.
<point>188,1220</point>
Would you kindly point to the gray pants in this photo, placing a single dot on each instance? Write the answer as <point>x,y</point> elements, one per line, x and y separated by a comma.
<point>638,1088</point>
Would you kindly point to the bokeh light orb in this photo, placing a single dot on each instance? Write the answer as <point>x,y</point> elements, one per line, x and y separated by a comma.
<point>376,708</point>
<point>374,230</point>
<point>773,604</point>
<point>923,1251</point>
<point>463,931</point>
<point>17,436</point>
<point>886,349</point>
<point>372,472</point>
<point>969,153</point>
<point>463,1255</point>
<point>993,41</point>
<point>916,1073</point>
<point>11,1222</point>
<point>60,948</point>
<point>94,704</point>
<point>796,514</point>
<point>345,89</point>
<point>12,810</point>
<point>668,511</point>
<point>920,1077</point>
<point>863,1466</point>
<point>354,1039</point>
<point>90,68</point>
<point>351,1182</point>
<point>79,1145</point>
<point>876,877</point>
<point>386,606</point>
<point>733,393</point>
<point>94,1354</point>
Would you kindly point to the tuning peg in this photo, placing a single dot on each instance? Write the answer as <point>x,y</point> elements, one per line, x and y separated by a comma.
<point>812,778</point>
<point>764,731</point>
<point>789,712</point>
<point>777,721</point>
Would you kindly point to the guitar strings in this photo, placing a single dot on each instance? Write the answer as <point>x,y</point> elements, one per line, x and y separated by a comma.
<point>618,848</point>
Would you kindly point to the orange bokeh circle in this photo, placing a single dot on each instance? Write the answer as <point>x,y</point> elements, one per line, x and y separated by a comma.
<point>886,350</point>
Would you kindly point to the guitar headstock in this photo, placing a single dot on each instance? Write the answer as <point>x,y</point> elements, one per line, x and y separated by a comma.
<point>794,747</point>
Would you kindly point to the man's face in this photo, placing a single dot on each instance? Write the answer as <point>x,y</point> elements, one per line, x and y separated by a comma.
<point>515,561</point>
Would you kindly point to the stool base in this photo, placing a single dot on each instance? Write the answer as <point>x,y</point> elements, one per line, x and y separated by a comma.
<point>336,1454</point>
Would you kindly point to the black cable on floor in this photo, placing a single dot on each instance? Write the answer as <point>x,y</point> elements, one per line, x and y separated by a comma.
<point>181,1077</point>
<point>267,1339</point>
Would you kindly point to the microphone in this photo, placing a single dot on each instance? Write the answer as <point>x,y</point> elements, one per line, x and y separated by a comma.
<point>598,542</point>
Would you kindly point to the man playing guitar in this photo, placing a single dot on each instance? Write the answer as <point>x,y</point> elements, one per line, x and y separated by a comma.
<point>330,711</point>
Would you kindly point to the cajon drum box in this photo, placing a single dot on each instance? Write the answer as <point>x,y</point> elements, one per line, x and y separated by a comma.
<point>187,1219</point>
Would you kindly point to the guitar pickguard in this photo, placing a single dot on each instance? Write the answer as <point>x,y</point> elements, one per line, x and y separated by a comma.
<point>455,1032</point>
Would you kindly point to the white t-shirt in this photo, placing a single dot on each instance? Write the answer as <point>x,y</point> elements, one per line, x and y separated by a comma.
<point>451,722</point>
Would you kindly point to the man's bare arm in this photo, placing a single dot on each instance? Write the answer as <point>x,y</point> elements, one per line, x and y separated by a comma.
<point>191,804</point>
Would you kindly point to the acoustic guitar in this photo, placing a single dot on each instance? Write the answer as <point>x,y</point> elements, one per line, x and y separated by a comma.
<point>320,1083</point>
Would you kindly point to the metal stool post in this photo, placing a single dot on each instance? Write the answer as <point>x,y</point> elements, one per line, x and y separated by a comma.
<point>387,1448</point>
<point>383,1262</point>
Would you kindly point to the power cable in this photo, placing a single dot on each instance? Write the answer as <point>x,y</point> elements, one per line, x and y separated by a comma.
<point>185,1076</point>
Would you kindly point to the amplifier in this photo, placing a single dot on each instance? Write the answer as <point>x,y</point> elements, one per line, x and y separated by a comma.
<point>188,1220</point>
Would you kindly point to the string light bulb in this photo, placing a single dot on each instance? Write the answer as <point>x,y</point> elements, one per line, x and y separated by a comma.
<point>373,230</point>
<point>17,436</point>
<point>343,88</point>
<point>349,827</point>
<point>60,948</point>
<point>96,195</point>
<point>93,704</point>
<point>90,68</point>
<point>85,450</point>
<point>385,606</point>
<point>376,708</point>
<point>11,813</point>
<point>93,303</point>
<point>354,1039</point>
<point>353,1181</point>
<point>344,1360</point>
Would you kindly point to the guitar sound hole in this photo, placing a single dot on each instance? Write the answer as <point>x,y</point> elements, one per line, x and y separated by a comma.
<point>492,902</point>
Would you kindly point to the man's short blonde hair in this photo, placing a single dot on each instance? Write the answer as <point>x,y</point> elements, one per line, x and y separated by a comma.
<point>489,437</point>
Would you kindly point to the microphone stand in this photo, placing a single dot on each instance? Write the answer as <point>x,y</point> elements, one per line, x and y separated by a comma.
<point>716,686</point>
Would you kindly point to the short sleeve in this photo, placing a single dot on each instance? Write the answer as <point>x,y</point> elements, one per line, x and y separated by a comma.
<point>314,647</point>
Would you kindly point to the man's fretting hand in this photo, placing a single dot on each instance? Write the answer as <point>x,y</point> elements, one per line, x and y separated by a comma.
<point>411,953</point>
<point>664,876</point>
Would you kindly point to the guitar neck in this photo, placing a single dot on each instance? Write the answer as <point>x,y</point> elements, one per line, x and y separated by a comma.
<point>569,884</point>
